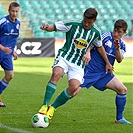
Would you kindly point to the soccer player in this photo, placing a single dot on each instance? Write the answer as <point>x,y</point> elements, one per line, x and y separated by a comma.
<point>73,56</point>
<point>95,72</point>
<point>9,32</point>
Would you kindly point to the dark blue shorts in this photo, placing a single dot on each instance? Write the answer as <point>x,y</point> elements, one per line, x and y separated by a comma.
<point>7,63</point>
<point>98,80</point>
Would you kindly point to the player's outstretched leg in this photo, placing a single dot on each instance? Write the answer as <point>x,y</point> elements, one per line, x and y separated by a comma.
<point>50,89</point>
<point>60,100</point>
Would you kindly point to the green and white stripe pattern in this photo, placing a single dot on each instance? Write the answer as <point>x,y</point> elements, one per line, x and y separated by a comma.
<point>78,40</point>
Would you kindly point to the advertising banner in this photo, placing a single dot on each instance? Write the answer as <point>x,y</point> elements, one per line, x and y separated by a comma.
<point>48,47</point>
<point>36,47</point>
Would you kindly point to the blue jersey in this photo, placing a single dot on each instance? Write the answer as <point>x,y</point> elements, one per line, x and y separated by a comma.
<point>97,64</point>
<point>9,32</point>
<point>95,72</point>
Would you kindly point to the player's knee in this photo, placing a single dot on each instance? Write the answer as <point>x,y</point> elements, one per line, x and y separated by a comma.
<point>124,90</point>
<point>73,90</point>
<point>9,77</point>
<point>76,92</point>
<point>55,76</point>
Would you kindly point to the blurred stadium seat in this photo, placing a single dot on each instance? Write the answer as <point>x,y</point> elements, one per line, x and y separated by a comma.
<point>39,11</point>
<point>2,11</point>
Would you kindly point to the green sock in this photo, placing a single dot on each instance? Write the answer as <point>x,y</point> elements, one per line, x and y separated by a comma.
<point>62,98</point>
<point>50,89</point>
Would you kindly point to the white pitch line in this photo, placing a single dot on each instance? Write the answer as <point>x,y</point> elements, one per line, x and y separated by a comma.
<point>14,129</point>
<point>17,113</point>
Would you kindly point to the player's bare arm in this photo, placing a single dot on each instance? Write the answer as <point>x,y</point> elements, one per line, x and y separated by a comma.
<point>102,52</point>
<point>119,56</point>
<point>87,57</point>
<point>5,49</point>
<point>47,27</point>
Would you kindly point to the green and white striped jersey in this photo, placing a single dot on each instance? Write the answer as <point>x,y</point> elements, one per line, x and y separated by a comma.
<point>78,40</point>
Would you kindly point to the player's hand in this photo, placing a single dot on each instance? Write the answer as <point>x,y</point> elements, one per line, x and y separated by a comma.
<point>86,58</point>
<point>15,56</point>
<point>44,26</point>
<point>6,49</point>
<point>110,68</point>
<point>117,44</point>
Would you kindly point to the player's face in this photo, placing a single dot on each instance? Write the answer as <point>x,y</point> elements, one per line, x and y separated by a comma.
<point>87,23</point>
<point>13,13</point>
<point>118,33</point>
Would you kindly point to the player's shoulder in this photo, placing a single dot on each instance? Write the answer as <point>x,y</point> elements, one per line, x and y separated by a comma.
<point>122,42</point>
<point>3,19</point>
<point>106,35</point>
<point>73,22</point>
<point>17,20</point>
<point>96,28</point>
<point>68,22</point>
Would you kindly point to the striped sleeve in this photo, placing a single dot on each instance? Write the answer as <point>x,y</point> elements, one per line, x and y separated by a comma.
<point>122,48</point>
<point>60,26</point>
<point>2,21</point>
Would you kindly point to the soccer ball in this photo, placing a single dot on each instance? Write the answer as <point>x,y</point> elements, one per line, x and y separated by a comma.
<point>40,120</point>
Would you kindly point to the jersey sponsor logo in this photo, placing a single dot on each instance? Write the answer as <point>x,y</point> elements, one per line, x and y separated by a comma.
<point>80,43</point>
<point>109,43</point>
<point>12,34</point>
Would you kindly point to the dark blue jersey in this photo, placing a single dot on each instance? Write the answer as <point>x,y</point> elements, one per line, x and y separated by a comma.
<point>9,32</point>
<point>95,72</point>
<point>97,64</point>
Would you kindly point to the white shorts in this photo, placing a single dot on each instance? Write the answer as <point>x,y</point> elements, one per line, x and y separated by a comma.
<point>72,70</point>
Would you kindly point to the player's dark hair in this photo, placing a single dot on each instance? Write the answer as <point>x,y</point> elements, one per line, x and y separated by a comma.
<point>121,24</point>
<point>91,13</point>
<point>13,4</point>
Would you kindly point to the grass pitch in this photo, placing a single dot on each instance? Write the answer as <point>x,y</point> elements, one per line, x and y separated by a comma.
<point>91,111</point>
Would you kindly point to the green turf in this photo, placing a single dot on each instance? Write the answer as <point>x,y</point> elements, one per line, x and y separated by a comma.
<point>91,111</point>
